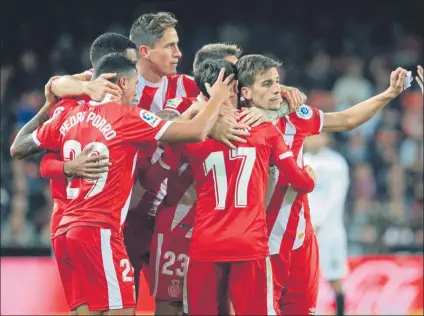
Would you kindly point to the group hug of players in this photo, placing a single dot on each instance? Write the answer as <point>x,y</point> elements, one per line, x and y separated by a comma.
<point>208,169</point>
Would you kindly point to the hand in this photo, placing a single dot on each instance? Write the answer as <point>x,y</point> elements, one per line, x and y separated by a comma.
<point>293,96</point>
<point>311,173</point>
<point>253,116</point>
<point>86,166</point>
<point>98,88</point>
<point>396,83</point>
<point>221,88</point>
<point>226,129</point>
<point>50,97</point>
<point>420,78</point>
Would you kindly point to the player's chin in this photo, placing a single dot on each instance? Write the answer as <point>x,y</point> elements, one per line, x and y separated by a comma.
<point>274,104</point>
<point>172,70</point>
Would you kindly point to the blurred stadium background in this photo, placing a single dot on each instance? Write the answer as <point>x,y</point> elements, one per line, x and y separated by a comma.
<point>337,52</point>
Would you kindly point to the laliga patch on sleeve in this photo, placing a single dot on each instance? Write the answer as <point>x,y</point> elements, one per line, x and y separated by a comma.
<point>173,103</point>
<point>304,112</point>
<point>58,111</point>
<point>149,118</point>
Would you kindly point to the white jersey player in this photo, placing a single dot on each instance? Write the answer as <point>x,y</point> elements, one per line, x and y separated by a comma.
<point>327,205</point>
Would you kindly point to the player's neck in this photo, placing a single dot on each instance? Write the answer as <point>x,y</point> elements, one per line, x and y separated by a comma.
<point>147,73</point>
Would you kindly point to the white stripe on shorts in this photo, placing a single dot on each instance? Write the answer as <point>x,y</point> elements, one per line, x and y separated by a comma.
<point>157,262</point>
<point>269,288</point>
<point>185,295</point>
<point>113,289</point>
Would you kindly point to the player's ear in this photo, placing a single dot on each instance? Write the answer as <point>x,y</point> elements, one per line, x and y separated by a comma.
<point>246,93</point>
<point>123,83</point>
<point>144,51</point>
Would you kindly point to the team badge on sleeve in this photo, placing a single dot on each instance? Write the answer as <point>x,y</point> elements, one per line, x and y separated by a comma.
<point>173,103</point>
<point>149,118</point>
<point>304,112</point>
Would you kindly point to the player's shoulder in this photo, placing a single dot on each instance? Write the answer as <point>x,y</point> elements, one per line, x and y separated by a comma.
<point>303,113</point>
<point>179,77</point>
<point>63,106</point>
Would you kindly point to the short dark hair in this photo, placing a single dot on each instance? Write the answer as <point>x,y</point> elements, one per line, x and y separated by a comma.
<point>251,65</point>
<point>109,43</point>
<point>115,63</point>
<point>208,72</point>
<point>215,51</point>
<point>149,28</point>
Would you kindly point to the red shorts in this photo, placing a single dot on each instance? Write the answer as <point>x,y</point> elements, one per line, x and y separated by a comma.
<point>249,285</point>
<point>296,279</point>
<point>169,261</point>
<point>93,261</point>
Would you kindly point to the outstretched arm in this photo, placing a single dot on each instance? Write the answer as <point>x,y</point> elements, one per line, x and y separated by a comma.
<point>362,112</point>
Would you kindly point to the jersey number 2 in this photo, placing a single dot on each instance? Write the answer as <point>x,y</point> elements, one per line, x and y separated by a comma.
<point>216,163</point>
<point>73,148</point>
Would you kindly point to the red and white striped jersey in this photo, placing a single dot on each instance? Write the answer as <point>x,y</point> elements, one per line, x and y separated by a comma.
<point>154,97</point>
<point>288,214</point>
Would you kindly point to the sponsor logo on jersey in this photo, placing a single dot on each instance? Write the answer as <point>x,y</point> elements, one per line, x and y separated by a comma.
<point>304,112</point>
<point>174,290</point>
<point>149,118</point>
<point>173,103</point>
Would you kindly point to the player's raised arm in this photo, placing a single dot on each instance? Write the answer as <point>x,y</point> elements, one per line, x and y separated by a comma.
<point>364,111</point>
<point>69,86</point>
<point>24,144</point>
<point>198,128</point>
<point>300,179</point>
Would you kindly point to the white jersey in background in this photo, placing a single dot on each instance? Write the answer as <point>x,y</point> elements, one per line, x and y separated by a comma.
<point>327,205</point>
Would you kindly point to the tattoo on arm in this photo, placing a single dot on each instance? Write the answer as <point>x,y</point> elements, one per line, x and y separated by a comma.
<point>167,115</point>
<point>273,115</point>
<point>24,145</point>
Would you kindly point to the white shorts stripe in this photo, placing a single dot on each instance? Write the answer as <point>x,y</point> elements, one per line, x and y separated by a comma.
<point>157,263</point>
<point>269,288</point>
<point>185,294</point>
<point>113,289</point>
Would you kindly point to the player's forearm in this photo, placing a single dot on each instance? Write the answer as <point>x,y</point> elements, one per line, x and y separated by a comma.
<point>357,114</point>
<point>167,115</point>
<point>273,116</point>
<point>24,145</point>
<point>196,129</point>
<point>297,178</point>
<point>68,86</point>
<point>51,167</point>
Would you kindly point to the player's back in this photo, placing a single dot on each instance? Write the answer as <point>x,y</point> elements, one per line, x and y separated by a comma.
<point>230,220</point>
<point>110,128</point>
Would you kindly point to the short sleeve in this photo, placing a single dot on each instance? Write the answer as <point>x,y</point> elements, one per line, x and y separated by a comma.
<point>189,85</point>
<point>308,120</point>
<point>141,126</point>
<point>178,105</point>
<point>48,135</point>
